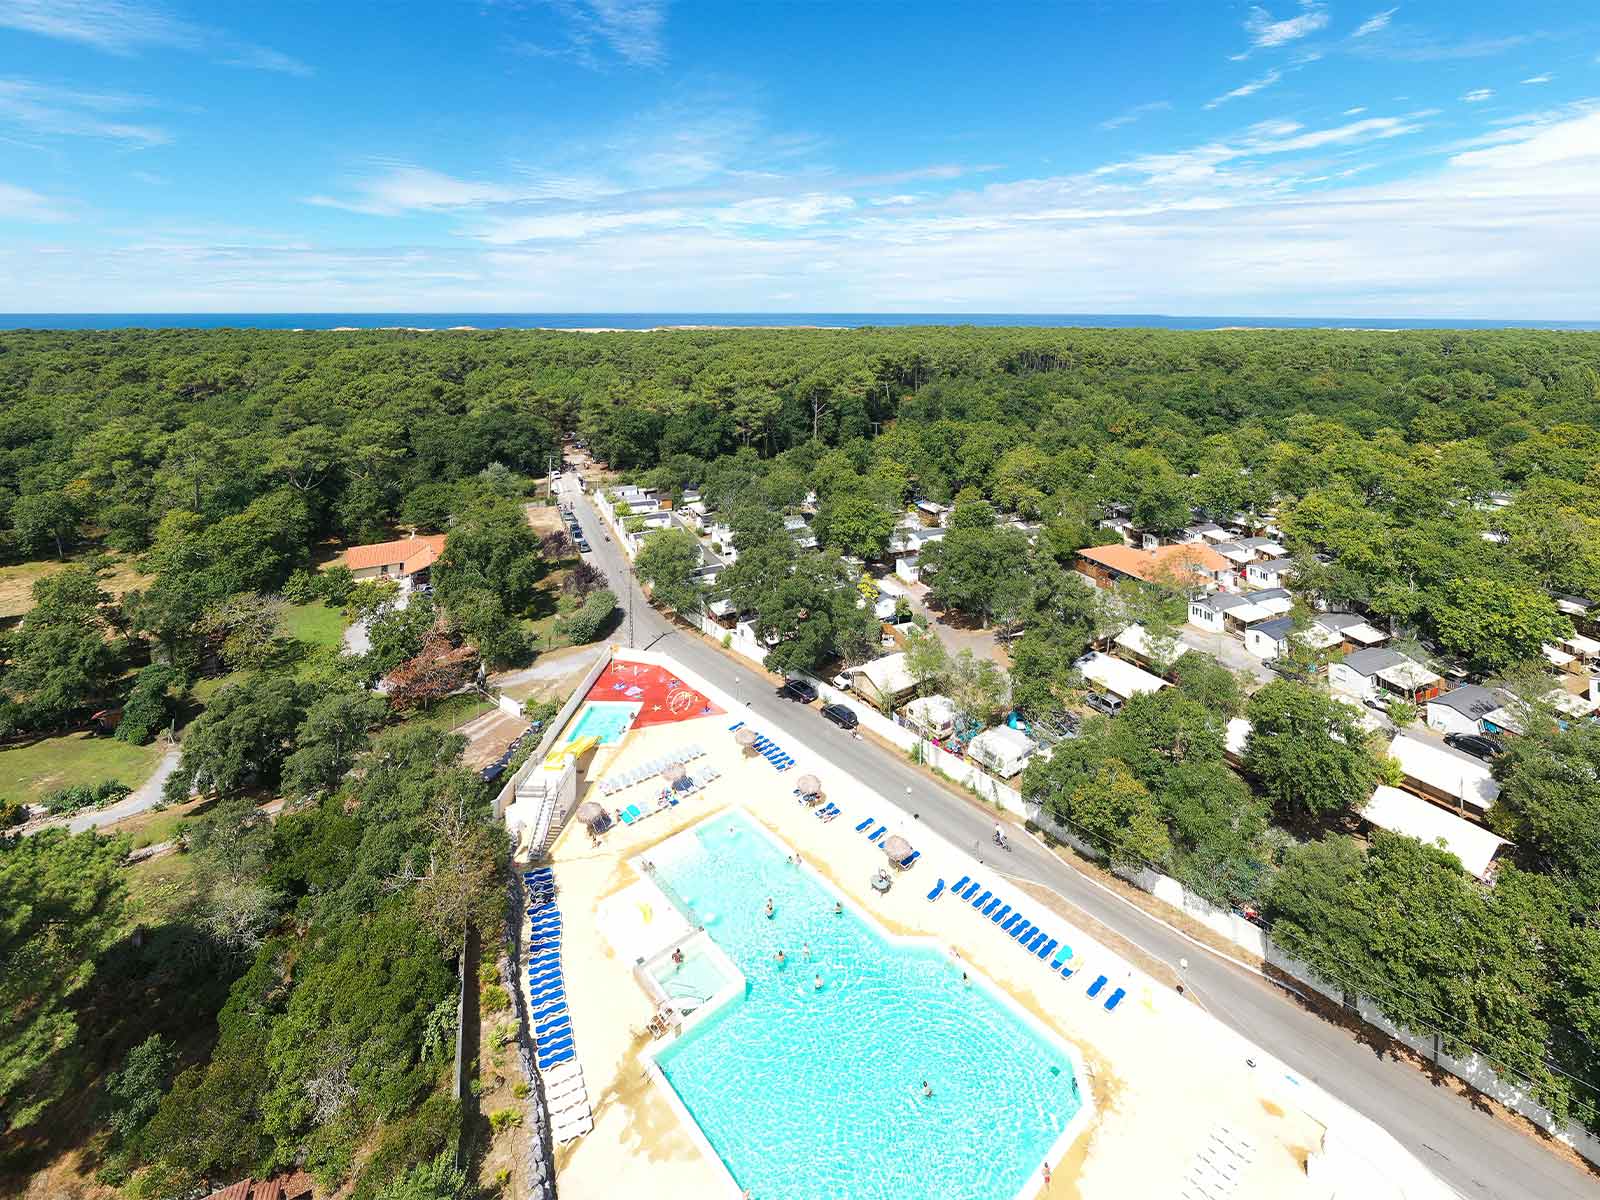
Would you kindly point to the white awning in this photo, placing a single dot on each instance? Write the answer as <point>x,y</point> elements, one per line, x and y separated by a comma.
<point>1584,647</point>
<point>1135,638</point>
<point>1446,772</point>
<point>1408,676</point>
<point>1117,677</point>
<point>1364,633</point>
<point>1238,734</point>
<point>1557,656</point>
<point>1401,812</point>
<point>1276,605</point>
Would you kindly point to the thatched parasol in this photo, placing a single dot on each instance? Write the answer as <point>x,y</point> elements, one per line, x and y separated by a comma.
<point>746,737</point>
<point>809,785</point>
<point>897,848</point>
<point>673,772</point>
<point>594,816</point>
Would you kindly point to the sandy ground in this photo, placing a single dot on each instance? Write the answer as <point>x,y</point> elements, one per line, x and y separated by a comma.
<point>1163,1074</point>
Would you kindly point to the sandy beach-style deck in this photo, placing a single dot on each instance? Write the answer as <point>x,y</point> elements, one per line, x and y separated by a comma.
<point>1166,1080</point>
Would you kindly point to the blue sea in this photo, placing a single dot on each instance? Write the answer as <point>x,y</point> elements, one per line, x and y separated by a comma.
<point>834,320</point>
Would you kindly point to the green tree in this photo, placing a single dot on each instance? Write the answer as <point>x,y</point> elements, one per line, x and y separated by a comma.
<point>63,661</point>
<point>61,904</point>
<point>437,1179</point>
<point>1308,751</point>
<point>134,1093</point>
<point>978,571</point>
<point>490,548</point>
<point>241,739</point>
<point>1494,622</point>
<point>856,524</point>
<point>1201,678</point>
<point>45,519</point>
<point>927,661</point>
<point>1548,804</point>
<point>334,731</point>
<point>1118,815</point>
<point>149,706</point>
<point>667,562</point>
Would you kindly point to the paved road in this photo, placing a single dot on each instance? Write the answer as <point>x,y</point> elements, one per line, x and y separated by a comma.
<point>147,795</point>
<point>1473,1153</point>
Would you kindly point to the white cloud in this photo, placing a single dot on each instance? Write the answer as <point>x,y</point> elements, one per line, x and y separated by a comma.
<point>1266,32</point>
<point>24,204</point>
<point>1539,78</point>
<point>41,109</point>
<point>1129,116</point>
<point>1270,220</point>
<point>631,29</point>
<point>1355,112</point>
<point>1247,89</point>
<point>1374,23</point>
<point>125,27</point>
<point>1478,95</point>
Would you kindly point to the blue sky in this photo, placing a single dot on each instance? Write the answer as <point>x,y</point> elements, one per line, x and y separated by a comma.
<point>1299,158</point>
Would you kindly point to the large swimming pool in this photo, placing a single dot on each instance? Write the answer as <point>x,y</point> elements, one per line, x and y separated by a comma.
<point>808,1093</point>
<point>606,719</point>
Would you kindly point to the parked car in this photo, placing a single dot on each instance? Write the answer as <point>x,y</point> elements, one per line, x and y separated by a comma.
<point>1476,744</point>
<point>799,689</point>
<point>841,715</point>
<point>583,546</point>
<point>1103,702</point>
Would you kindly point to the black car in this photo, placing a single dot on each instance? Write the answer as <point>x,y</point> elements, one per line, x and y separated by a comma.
<point>1475,744</point>
<point>1101,702</point>
<point>799,689</point>
<point>841,715</point>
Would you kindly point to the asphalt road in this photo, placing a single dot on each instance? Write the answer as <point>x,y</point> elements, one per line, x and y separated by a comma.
<point>1472,1152</point>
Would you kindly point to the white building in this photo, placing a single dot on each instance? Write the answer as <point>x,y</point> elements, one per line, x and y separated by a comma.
<point>932,715</point>
<point>1003,750</point>
<point>1269,573</point>
<point>1382,673</point>
<point>1461,710</point>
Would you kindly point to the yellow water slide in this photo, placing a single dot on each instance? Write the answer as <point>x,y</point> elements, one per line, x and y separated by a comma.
<point>557,759</point>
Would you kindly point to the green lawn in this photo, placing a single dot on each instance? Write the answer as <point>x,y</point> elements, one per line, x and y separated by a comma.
<point>315,624</point>
<point>450,712</point>
<point>30,771</point>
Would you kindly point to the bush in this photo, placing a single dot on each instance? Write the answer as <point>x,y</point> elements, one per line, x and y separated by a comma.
<point>334,586</point>
<point>488,972</point>
<point>85,795</point>
<point>540,712</point>
<point>495,998</point>
<point>520,1089</point>
<point>586,624</point>
<point>505,1118</point>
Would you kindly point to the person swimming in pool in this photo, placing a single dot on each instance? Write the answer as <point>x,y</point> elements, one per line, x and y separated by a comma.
<point>838,908</point>
<point>779,956</point>
<point>816,982</point>
<point>805,949</point>
<point>927,1090</point>
<point>770,909</point>
<point>677,956</point>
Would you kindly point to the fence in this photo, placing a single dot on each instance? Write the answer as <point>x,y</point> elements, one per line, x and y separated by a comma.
<point>1478,1070</point>
<point>541,1149</point>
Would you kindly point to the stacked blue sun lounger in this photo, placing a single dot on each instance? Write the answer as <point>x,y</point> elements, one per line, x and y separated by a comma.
<point>547,993</point>
<point>772,752</point>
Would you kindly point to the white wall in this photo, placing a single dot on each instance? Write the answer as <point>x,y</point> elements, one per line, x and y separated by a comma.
<point>1250,937</point>
<point>1447,720</point>
<point>1352,683</point>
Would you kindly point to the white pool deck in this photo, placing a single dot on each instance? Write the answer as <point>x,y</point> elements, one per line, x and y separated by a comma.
<point>1165,1077</point>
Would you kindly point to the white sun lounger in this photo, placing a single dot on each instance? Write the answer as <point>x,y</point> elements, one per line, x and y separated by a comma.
<point>562,1074</point>
<point>575,1129</point>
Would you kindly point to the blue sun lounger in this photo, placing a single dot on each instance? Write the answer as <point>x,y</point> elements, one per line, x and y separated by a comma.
<point>959,884</point>
<point>938,890</point>
<point>862,828</point>
<point>1061,957</point>
<point>1094,988</point>
<point>544,960</point>
<point>1046,949</point>
<point>556,1059</point>
<point>1068,971</point>
<point>1116,999</point>
<point>1013,919</point>
<point>548,1012</point>
<point>981,900</point>
<point>989,908</point>
<point>551,1027</point>
<point>1000,913</point>
<point>972,890</point>
<point>559,1044</point>
<point>1035,940</point>
<point>1018,931</point>
<point>877,833</point>
<point>910,859</point>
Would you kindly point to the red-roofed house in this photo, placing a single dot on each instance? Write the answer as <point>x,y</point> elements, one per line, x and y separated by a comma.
<point>404,560</point>
<point>1190,565</point>
<point>294,1186</point>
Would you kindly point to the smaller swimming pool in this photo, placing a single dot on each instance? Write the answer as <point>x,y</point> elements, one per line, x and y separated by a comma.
<point>694,982</point>
<point>607,720</point>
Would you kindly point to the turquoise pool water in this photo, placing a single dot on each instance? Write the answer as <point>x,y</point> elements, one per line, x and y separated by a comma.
<point>808,1094</point>
<point>607,720</point>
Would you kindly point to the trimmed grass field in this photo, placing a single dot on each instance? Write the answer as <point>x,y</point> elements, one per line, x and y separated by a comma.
<point>315,624</point>
<point>31,771</point>
<point>16,582</point>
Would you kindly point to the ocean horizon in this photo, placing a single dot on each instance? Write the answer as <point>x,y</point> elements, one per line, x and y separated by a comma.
<point>794,320</point>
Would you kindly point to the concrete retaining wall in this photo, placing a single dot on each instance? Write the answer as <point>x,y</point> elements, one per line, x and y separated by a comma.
<point>508,793</point>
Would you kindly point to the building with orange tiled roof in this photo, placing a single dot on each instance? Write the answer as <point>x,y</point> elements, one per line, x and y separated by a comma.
<point>1187,565</point>
<point>404,560</point>
<point>294,1186</point>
